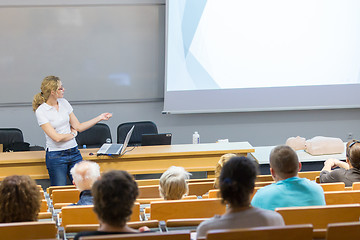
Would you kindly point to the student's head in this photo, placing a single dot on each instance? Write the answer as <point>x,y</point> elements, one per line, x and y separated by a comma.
<point>223,159</point>
<point>50,83</point>
<point>114,196</point>
<point>173,184</point>
<point>84,174</point>
<point>237,181</point>
<point>19,199</point>
<point>353,153</point>
<point>284,162</point>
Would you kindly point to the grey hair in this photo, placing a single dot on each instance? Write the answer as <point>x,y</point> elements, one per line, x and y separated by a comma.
<point>84,174</point>
<point>173,185</point>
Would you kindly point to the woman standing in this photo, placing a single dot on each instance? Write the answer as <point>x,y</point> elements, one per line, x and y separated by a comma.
<point>56,117</point>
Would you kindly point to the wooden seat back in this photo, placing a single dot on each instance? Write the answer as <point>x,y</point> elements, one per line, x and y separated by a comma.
<point>311,175</point>
<point>178,209</point>
<point>336,231</point>
<point>320,216</point>
<point>215,193</point>
<point>67,196</point>
<point>294,232</point>
<point>338,186</point>
<point>150,191</point>
<point>43,206</point>
<point>50,189</point>
<point>93,227</point>
<point>342,197</point>
<point>356,186</point>
<point>72,215</point>
<point>263,184</point>
<point>186,222</point>
<point>183,235</point>
<point>28,230</point>
<point>264,178</point>
<point>200,188</point>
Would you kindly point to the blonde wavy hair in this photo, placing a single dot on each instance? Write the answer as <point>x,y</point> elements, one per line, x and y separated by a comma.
<point>50,83</point>
<point>223,159</point>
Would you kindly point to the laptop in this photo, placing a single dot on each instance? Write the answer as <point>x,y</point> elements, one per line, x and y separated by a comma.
<point>156,139</point>
<point>115,149</point>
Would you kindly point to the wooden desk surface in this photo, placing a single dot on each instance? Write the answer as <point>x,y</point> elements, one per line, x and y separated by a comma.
<point>138,160</point>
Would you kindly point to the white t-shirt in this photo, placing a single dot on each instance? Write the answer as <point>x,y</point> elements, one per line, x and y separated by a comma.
<point>59,120</point>
<point>252,217</point>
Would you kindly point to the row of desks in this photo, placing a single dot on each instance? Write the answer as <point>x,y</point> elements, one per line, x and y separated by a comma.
<point>138,160</point>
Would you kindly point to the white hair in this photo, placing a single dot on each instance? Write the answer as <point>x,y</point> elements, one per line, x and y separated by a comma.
<point>173,184</point>
<point>84,174</point>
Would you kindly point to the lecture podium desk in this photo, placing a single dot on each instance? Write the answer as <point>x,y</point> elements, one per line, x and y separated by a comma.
<point>138,160</point>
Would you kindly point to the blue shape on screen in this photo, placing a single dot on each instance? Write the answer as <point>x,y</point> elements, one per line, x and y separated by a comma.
<point>192,14</point>
<point>201,78</point>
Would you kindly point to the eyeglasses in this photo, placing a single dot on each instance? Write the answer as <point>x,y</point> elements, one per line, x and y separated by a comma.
<point>61,88</point>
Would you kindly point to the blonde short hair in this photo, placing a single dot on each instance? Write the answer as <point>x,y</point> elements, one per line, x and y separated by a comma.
<point>173,185</point>
<point>223,159</point>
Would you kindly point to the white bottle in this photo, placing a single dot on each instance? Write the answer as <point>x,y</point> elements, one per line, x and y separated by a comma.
<point>196,138</point>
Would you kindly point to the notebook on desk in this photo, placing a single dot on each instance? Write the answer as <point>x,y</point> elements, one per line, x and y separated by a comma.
<point>156,139</point>
<point>115,149</point>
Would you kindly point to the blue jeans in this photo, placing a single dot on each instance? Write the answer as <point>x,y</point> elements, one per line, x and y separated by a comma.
<point>59,164</point>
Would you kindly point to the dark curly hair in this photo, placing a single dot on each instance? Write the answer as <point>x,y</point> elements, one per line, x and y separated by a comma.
<point>114,196</point>
<point>237,181</point>
<point>19,199</point>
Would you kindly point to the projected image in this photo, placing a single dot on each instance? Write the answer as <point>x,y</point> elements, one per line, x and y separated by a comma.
<point>230,44</point>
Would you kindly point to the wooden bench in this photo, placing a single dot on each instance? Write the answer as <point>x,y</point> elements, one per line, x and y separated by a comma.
<point>336,231</point>
<point>64,197</point>
<point>338,186</point>
<point>50,189</point>
<point>342,197</point>
<point>320,216</point>
<point>73,215</point>
<point>28,230</point>
<point>178,209</point>
<point>183,235</point>
<point>294,232</point>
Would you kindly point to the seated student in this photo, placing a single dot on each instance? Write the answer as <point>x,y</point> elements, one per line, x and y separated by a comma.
<point>19,199</point>
<point>173,185</point>
<point>348,172</point>
<point>288,190</point>
<point>223,159</point>
<point>114,197</point>
<point>237,182</point>
<point>84,174</point>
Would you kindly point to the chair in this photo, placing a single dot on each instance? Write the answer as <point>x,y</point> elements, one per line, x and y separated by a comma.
<point>144,127</point>
<point>176,235</point>
<point>95,136</point>
<point>350,230</point>
<point>295,232</point>
<point>178,209</point>
<point>9,136</point>
<point>28,230</point>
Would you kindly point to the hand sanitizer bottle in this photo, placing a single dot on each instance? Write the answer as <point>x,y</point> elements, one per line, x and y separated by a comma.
<point>196,138</point>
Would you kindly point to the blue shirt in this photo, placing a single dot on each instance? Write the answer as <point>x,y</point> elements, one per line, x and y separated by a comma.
<point>291,192</point>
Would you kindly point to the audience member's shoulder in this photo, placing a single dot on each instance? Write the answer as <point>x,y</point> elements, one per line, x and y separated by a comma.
<point>272,217</point>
